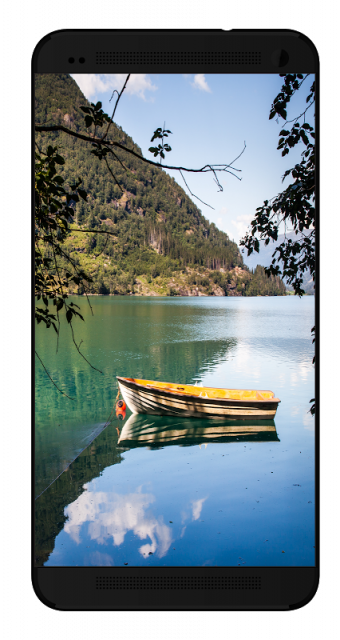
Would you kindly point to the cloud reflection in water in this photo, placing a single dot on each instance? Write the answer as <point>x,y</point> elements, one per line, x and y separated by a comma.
<point>110,515</point>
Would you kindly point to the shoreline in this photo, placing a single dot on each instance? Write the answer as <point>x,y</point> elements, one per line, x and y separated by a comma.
<point>159,295</point>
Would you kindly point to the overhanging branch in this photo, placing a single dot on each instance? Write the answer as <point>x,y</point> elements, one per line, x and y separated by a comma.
<point>100,142</point>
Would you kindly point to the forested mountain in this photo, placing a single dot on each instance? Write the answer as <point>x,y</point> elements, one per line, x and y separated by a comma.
<point>162,244</point>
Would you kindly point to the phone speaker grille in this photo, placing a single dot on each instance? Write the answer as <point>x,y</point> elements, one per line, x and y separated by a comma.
<point>145,582</point>
<point>178,57</point>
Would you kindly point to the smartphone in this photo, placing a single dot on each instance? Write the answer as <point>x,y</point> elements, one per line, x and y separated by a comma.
<point>176,424</point>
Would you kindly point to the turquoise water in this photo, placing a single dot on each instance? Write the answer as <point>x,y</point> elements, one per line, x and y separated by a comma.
<point>190,493</point>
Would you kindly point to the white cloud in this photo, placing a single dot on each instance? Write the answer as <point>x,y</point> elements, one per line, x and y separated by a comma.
<point>110,515</point>
<point>91,84</point>
<point>139,83</point>
<point>200,82</point>
<point>235,228</point>
<point>241,225</point>
<point>197,508</point>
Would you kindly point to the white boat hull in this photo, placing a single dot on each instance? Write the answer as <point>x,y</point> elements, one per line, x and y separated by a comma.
<point>157,402</point>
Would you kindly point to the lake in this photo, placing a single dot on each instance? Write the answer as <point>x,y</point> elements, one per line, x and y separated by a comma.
<point>154,491</point>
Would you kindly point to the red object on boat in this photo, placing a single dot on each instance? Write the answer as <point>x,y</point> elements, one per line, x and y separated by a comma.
<point>120,406</point>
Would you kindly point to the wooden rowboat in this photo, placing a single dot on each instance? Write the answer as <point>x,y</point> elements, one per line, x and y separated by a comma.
<point>165,398</point>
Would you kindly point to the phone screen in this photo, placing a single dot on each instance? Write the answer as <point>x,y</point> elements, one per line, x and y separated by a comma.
<point>175,250</point>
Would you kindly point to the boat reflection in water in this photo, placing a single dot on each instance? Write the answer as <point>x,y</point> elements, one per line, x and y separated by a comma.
<point>158,431</point>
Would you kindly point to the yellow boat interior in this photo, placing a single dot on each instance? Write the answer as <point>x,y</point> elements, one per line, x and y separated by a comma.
<point>206,392</point>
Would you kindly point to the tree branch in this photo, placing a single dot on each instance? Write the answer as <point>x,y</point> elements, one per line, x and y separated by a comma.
<point>69,259</point>
<point>116,105</point>
<point>193,195</point>
<point>208,168</point>
<point>80,353</point>
<point>60,391</point>
<point>114,177</point>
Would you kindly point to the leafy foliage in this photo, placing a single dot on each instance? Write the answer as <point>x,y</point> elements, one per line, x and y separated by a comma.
<point>296,204</point>
<point>159,150</point>
<point>55,269</point>
<point>53,211</point>
<point>95,115</point>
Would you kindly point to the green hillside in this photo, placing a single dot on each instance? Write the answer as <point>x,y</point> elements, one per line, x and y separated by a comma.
<point>162,244</point>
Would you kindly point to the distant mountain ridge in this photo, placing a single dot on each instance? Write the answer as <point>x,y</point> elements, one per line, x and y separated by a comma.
<point>264,258</point>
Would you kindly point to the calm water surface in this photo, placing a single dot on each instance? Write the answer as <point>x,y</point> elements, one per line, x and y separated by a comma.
<point>154,491</point>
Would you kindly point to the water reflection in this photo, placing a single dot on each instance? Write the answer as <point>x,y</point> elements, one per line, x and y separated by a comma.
<point>81,507</point>
<point>164,492</point>
<point>253,341</point>
<point>152,341</point>
<point>160,431</point>
<point>109,516</point>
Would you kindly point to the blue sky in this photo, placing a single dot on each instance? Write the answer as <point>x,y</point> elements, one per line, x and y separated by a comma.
<point>210,116</point>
